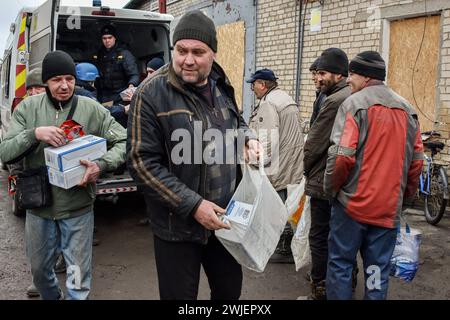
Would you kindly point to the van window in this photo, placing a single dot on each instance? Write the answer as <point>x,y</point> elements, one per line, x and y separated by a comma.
<point>6,73</point>
<point>38,50</point>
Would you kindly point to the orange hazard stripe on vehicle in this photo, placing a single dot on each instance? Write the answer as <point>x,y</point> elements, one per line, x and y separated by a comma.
<point>21,74</point>
<point>21,71</point>
<point>21,43</point>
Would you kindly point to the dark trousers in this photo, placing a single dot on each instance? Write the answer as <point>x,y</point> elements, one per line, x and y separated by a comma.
<point>318,238</point>
<point>178,265</point>
<point>284,244</point>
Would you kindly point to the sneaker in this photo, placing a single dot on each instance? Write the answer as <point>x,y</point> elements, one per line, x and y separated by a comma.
<point>281,258</point>
<point>32,292</point>
<point>60,265</point>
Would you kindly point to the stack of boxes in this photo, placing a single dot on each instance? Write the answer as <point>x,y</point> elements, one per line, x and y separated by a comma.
<point>63,163</point>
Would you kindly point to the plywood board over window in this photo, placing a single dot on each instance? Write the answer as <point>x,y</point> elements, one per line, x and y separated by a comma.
<point>231,54</point>
<point>413,64</point>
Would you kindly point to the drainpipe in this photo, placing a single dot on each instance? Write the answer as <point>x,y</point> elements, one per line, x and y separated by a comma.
<point>255,3</point>
<point>301,29</point>
<point>162,6</point>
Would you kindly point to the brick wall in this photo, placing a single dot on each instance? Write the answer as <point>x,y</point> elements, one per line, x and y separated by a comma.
<point>444,85</point>
<point>276,40</point>
<point>346,24</point>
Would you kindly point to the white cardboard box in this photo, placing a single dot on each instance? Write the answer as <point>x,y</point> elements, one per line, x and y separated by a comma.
<point>239,212</point>
<point>68,156</point>
<point>66,179</point>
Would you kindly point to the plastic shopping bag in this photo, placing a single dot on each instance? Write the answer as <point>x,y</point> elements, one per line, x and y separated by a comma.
<point>405,258</point>
<point>295,202</point>
<point>300,241</point>
<point>258,219</point>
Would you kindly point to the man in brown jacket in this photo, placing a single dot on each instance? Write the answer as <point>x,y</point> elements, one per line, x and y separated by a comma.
<point>276,121</point>
<point>332,70</point>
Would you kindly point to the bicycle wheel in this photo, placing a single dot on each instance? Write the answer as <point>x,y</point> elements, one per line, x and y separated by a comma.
<point>434,202</point>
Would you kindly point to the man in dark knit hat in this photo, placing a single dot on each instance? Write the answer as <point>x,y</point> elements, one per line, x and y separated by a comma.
<point>185,192</point>
<point>67,221</point>
<point>154,65</point>
<point>332,70</point>
<point>320,97</point>
<point>374,162</point>
<point>117,67</point>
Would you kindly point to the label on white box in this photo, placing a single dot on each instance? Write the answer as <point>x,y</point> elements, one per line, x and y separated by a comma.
<point>66,179</point>
<point>239,212</point>
<point>68,156</point>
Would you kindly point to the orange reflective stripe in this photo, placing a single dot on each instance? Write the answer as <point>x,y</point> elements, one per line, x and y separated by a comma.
<point>21,72</point>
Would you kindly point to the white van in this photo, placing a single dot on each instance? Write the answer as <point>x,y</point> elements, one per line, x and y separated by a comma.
<point>76,30</point>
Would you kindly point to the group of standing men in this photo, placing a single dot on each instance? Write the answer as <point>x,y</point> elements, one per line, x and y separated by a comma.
<point>361,157</point>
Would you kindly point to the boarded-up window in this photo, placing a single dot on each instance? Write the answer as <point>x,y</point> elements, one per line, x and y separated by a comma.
<point>413,62</point>
<point>231,54</point>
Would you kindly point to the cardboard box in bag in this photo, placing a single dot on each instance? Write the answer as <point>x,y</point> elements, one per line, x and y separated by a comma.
<point>66,179</point>
<point>257,217</point>
<point>68,156</point>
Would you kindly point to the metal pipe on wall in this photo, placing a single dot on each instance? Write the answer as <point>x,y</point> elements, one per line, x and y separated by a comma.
<point>301,29</point>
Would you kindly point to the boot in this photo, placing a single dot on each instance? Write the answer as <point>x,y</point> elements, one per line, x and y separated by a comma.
<point>318,291</point>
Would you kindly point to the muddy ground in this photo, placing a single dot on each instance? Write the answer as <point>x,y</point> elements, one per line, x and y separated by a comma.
<point>124,266</point>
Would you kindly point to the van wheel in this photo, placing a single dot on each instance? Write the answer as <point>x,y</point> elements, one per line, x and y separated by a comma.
<point>16,210</point>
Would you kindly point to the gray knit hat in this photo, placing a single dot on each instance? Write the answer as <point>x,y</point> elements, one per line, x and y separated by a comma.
<point>196,25</point>
<point>34,79</point>
<point>369,64</point>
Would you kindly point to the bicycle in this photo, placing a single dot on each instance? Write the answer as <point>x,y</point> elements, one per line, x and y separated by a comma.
<point>433,180</point>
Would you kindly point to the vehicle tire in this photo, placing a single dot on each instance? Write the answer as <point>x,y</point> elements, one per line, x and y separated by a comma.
<point>16,210</point>
<point>4,167</point>
<point>434,203</point>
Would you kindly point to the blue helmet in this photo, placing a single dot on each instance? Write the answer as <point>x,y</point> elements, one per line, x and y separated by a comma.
<point>86,71</point>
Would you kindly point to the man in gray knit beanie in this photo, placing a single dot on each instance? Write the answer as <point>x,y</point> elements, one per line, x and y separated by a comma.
<point>185,201</point>
<point>196,25</point>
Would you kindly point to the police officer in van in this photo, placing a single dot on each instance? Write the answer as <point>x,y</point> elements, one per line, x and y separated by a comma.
<point>117,66</point>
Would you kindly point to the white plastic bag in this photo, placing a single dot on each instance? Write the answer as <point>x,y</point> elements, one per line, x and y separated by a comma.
<point>254,244</point>
<point>300,240</point>
<point>405,258</point>
<point>294,194</point>
<point>295,202</point>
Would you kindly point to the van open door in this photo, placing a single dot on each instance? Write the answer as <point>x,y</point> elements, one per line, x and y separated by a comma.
<point>42,32</point>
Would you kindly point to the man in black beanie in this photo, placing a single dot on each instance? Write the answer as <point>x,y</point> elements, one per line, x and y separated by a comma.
<point>320,97</point>
<point>117,67</point>
<point>332,70</point>
<point>374,162</point>
<point>66,223</point>
<point>186,194</point>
